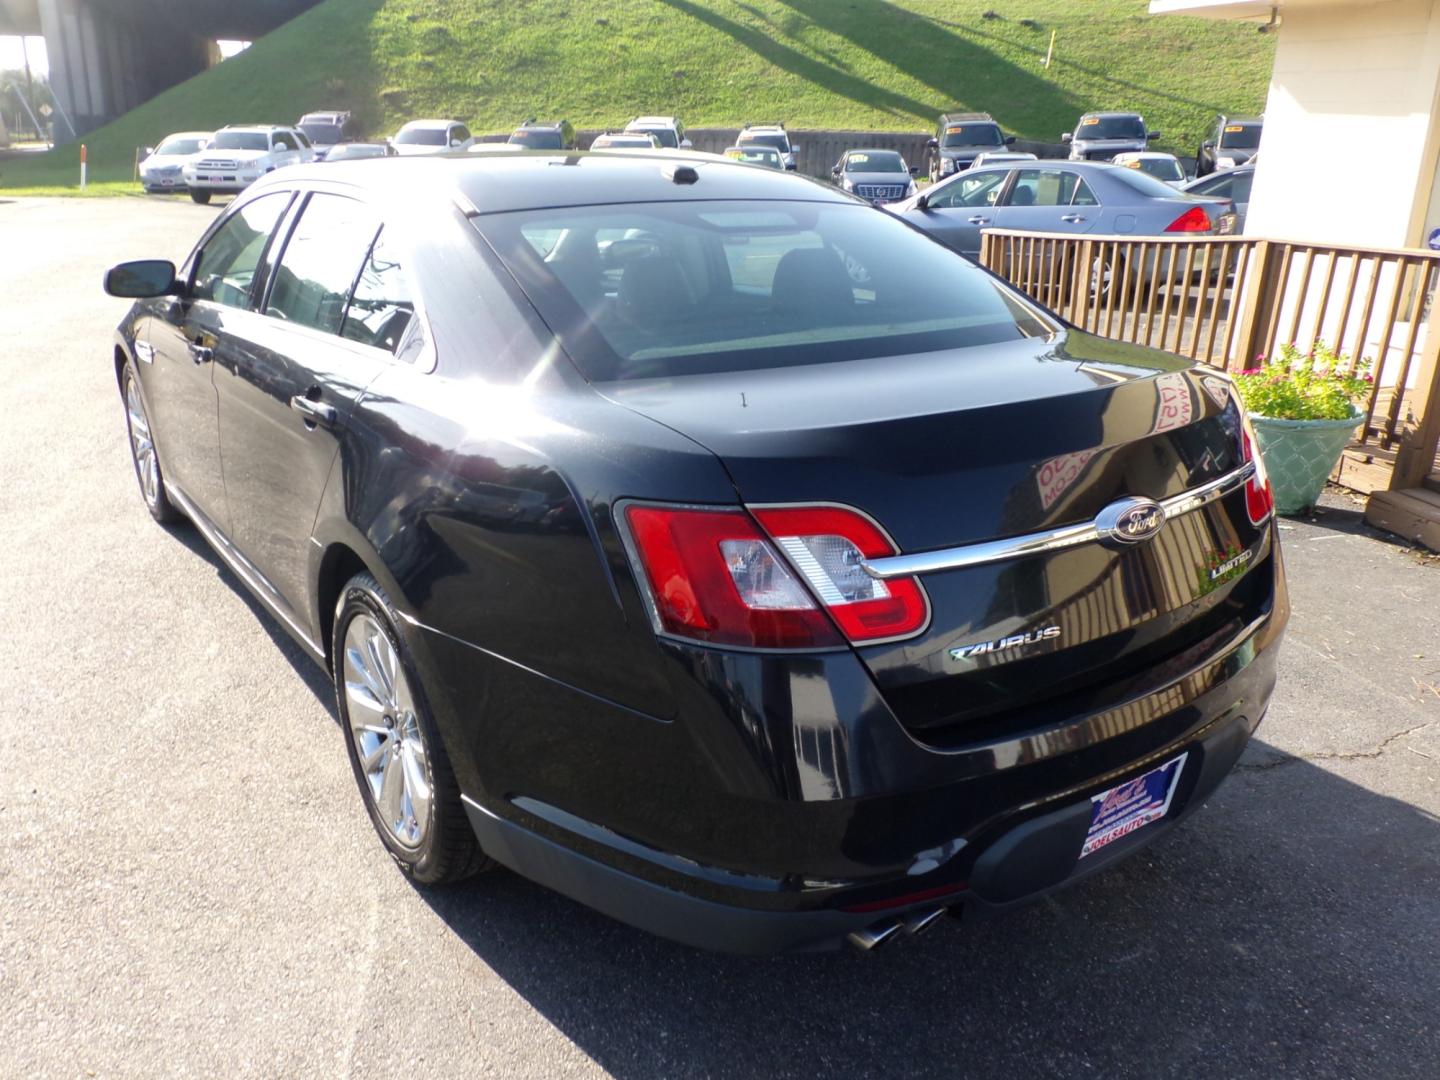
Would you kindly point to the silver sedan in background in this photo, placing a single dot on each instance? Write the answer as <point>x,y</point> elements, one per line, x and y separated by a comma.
<point>1059,197</point>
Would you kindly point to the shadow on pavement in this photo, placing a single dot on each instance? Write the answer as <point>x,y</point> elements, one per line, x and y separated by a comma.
<point>1288,928</point>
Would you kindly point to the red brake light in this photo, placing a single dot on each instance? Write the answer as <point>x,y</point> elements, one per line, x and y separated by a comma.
<point>1259,498</point>
<point>714,576</point>
<point>827,545</point>
<point>1194,219</point>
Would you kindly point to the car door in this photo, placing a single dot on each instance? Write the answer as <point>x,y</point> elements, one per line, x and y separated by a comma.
<point>183,338</point>
<point>287,378</point>
<point>961,207</point>
<point>1048,200</point>
<point>284,150</point>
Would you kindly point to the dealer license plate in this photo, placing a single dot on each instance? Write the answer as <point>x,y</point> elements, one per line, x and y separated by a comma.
<point>1131,806</point>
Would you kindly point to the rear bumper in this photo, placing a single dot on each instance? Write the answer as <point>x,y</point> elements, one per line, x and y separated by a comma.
<point>1027,859</point>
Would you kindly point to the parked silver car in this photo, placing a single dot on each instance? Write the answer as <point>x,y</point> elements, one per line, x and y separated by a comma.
<point>1233,184</point>
<point>160,166</point>
<point>878,175</point>
<point>1056,196</point>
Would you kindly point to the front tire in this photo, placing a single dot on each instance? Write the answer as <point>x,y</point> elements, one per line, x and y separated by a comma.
<point>201,197</point>
<point>395,750</point>
<point>143,454</point>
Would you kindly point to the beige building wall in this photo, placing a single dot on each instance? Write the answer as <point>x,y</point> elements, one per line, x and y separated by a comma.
<point>1351,142</point>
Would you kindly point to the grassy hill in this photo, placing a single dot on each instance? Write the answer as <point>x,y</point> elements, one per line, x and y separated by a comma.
<point>867,64</point>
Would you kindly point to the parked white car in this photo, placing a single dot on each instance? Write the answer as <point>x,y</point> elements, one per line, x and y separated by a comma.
<point>669,132</point>
<point>241,154</point>
<point>161,167</point>
<point>432,137</point>
<point>994,157</point>
<point>1164,167</point>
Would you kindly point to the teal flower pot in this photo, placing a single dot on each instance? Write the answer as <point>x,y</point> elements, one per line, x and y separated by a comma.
<point>1300,455</point>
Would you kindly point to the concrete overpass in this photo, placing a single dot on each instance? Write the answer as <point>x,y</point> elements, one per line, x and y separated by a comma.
<point>108,56</point>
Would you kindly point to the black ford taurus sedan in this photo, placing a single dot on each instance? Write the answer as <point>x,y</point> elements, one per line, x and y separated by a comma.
<point>705,544</point>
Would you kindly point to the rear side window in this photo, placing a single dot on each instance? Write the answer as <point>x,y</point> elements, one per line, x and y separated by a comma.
<point>226,267</point>
<point>317,270</point>
<point>382,306</point>
<point>667,289</point>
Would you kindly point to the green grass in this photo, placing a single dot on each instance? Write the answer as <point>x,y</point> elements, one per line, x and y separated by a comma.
<point>865,64</point>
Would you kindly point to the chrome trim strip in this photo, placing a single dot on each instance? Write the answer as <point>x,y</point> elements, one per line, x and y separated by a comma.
<point>1040,543</point>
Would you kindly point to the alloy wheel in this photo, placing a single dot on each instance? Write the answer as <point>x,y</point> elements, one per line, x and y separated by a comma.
<point>388,742</point>
<point>142,446</point>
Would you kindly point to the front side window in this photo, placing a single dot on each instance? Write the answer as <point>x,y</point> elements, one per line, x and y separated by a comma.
<point>226,266</point>
<point>382,306</point>
<point>970,189</point>
<point>461,132</point>
<point>668,289</point>
<point>284,142</point>
<point>320,263</point>
<point>1047,187</point>
<point>1160,168</point>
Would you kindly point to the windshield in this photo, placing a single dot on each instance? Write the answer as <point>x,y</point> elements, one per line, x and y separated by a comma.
<point>623,142</point>
<point>536,138</point>
<point>356,150</point>
<point>664,134</point>
<point>240,140</point>
<point>177,147</point>
<point>324,134</point>
<point>754,155</point>
<point>1142,182</point>
<point>419,136</point>
<point>641,290</point>
<point>1161,168</point>
<point>1110,127</point>
<point>972,135</point>
<point>1240,137</point>
<point>875,161</point>
<point>777,142</point>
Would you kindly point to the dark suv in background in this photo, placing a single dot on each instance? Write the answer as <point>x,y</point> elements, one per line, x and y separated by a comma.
<point>1099,136</point>
<point>534,135</point>
<point>1232,142</point>
<point>959,138</point>
<point>328,129</point>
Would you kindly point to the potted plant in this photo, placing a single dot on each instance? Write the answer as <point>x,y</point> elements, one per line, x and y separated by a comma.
<point>1304,409</point>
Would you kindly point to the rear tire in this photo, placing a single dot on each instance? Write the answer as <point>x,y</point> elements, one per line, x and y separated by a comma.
<point>395,749</point>
<point>143,454</point>
<point>201,197</point>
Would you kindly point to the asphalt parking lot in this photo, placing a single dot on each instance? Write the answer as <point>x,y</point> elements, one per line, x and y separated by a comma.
<point>191,887</point>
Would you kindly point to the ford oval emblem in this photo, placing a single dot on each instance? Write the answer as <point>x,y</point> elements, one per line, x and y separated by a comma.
<point>1130,520</point>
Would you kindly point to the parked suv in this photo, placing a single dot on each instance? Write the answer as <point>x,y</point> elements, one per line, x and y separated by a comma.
<point>327,129</point>
<point>1099,136</point>
<point>668,131</point>
<point>772,135</point>
<point>959,138</point>
<point>534,135</point>
<point>1233,142</point>
<point>240,155</point>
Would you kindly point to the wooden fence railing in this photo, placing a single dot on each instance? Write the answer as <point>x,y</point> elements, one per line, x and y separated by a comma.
<point>1228,300</point>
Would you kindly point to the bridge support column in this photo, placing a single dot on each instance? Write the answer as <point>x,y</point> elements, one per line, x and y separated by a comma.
<point>103,63</point>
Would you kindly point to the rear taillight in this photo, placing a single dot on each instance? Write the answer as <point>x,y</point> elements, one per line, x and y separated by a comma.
<point>1193,220</point>
<point>712,575</point>
<point>827,544</point>
<point>1259,498</point>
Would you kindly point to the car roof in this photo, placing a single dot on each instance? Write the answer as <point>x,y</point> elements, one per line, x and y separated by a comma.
<point>331,116</point>
<point>764,127</point>
<point>1109,113</point>
<point>873,150</point>
<point>1144,155</point>
<point>971,116</point>
<point>258,128</point>
<point>655,121</point>
<point>540,124</point>
<point>428,123</point>
<point>188,135</point>
<point>536,179</point>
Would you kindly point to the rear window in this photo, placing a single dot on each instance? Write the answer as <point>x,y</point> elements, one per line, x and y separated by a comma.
<point>1141,182</point>
<point>775,142</point>
<point>1160,168</point>
<point>664,289</point>
<point>664,134</point>
<point>1240,137</point>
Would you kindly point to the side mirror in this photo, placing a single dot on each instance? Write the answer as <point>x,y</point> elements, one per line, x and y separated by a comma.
<point>1065,137</point>
<point>922,203</point>
<point>454,142</point>
<point>931,144</point>
<point>1151,135</point>
<point>141,279</point>
<point>914,170</point>
<point>686,144</point>
<point>146,151</point>
<point>1009,140</point>
<point>1207,146</point>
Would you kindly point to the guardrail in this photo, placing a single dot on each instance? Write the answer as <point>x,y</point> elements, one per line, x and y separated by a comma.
<point>1226,301</point>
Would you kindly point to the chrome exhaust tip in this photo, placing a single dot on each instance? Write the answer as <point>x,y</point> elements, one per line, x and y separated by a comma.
<point>872,937</point>
<point>918,923</point>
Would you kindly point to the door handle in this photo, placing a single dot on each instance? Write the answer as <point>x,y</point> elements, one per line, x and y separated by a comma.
<point>1074,219</point>
<point>978,220</point>
<point>314,412</point>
